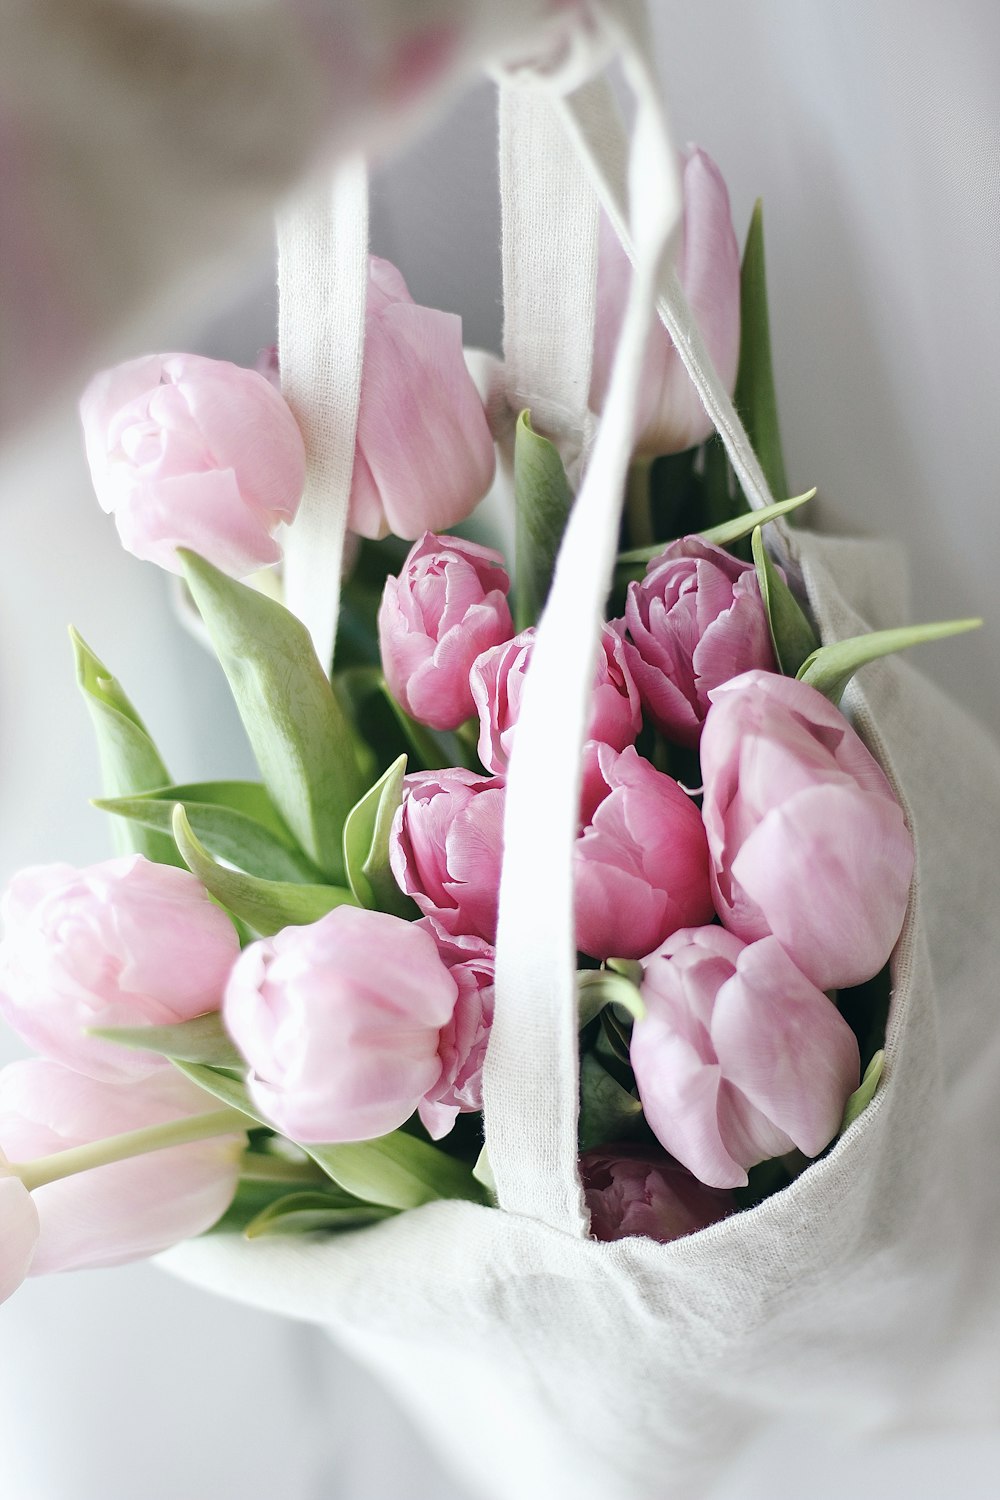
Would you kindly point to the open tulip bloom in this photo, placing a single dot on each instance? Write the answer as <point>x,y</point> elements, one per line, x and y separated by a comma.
<point>270,1012</point>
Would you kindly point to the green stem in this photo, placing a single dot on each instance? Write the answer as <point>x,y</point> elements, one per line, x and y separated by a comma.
<point>257,1166</point>
<point>45,1169</point>
<point>638,505</point>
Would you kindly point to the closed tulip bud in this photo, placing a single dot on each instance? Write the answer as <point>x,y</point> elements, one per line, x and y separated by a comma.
<point>121,943</point>
<point>445,848</point>
<point>696,620</point>
<point>739,1057</point>
<point>341,1022</point>
<point>498,678</point>
<point>18,1230</point>
<point>671,416</point>
<point>632,1189</point>
<point>641,862</point>
<point>448,604</point>
<point>193,452</point>
<point>807,839</point>
<point>127,1209</point>
<point>463,1042</point>
<point>424,456</point>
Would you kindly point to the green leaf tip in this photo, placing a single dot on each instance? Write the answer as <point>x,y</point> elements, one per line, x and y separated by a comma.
<point>754,395</point>
<point>830,668</point>
<point>366,844</point>
<point>792,636</point>
<point>865,1093</point>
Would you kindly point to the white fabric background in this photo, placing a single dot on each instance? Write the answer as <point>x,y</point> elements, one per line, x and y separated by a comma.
<point>872,134</point>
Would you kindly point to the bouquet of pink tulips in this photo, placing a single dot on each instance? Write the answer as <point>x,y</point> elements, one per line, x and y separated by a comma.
<point>268,1015</point>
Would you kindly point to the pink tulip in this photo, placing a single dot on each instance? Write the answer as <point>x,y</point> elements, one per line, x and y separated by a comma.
<point>121,943</point>
<point>696,620</point>
<point>448,604</point>
<point>806,837</point>
<point>193,452</point>
<point>462,1045</point>
<point>739,1057</point>
<point>128,1209</point>
<point>424,456</point>
<point>341,1023</point>
<point>636,1190</point>
<point>641,860</point>
<point>497,682</point>
<point>18,1229</point>
<point>445,848</point>
<point>671,416</point>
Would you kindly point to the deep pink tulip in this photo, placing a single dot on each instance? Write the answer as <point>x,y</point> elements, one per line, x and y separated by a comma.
<point>696,620</point>
<point>641,862</point>
<point>424,456</point>
<point>193,452</point>
<point>806,836</point>
<point>497,681</point>
<point>446,846</point>
<point>634,1189</point>
<point>739,1057</point>
<point>671,416</point>
<point>448,604</point>
<point>18,1230</point>
<point>128,1209</point>
<point>121,943</point>
<point>462,1044</point>
<point>340,1023</point>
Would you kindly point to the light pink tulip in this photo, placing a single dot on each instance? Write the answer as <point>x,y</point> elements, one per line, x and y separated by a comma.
<point>193,452</point>
<point>448,604</point>
<point>424,456</point>
<point>446,846</point>
<point>696,620</point>
<point>739,1057</point>
<point>497,682</point>
<point>128,1209</point>
<point>634,1189</point>
<point>341,1023</point>
<point>462,1045</point>
<point>18,1229</point>
<point>641,862</point>
<point>671,416</point>
<point>121,943</point>
<point>806,836</point>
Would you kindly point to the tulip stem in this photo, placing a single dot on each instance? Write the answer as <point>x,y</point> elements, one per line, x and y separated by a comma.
<point>45,1169</point>
<point>259,1166</point>
<point>638,503</point>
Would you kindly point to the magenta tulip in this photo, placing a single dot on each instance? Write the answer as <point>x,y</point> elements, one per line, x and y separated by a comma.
<point>448,604</point>
<point>424,456</point>
<point>739,1057</point>
<point>462,1045</point>
<point>807,839</point>
<point>695,621</point>
<point>446,846</point>
<point>128,1209</point>
<point>636,1190</point>
<point>641,862</point>
<point>341,1023</point>
<point>497,682</point>
<point>671,416</point>
<point>121,943</point>
<point>193,452</point>
<point>18,1229</point>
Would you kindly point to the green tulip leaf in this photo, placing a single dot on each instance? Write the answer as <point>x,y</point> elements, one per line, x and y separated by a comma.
<point>309,1213</point>
<point>863,1096</point>
<point>201,1040</point>
<point>830,668</point>
<point>223,1086</point>
<point>607,1111</point>
<point>744,525</point>
<point>754,396</point>
<point>597,988</point>
<point>483,1173</point>
<point>296,726</point>
<point>265,905</point>
<point>792,636</point>
<point>543,500</point>
<point>397,1171</point>
<point>130,762</point>
<point>366,844</point>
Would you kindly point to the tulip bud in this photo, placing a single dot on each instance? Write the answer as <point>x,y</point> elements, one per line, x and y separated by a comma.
<point>807,839</point>
<point>636,1190</point>
<point>121,943</point>
<point>445,848</point>
<point>463,1041</point>
<point>341,1023</point>
<point>497,682</point>
<point>696,620</point>
<point>671,416</point>
<point>641,862</point>
<point>18,1230</point>
<point>128,1209</point>
<point>424,456</point>
<point>448,604</point>
<point>739,1057</point>
<point>193,452</point>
